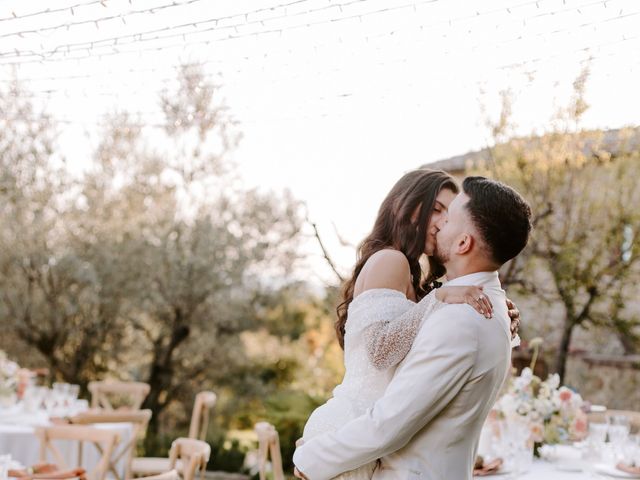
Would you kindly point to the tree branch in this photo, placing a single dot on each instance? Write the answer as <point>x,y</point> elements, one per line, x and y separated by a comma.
<point>325,252</point>
<point>541,216</point>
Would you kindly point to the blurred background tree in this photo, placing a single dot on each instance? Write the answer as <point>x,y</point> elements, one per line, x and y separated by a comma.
<point>584,253</point>
<point>156,264</point>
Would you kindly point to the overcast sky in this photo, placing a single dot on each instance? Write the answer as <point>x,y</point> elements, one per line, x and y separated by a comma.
<point>337,99</point>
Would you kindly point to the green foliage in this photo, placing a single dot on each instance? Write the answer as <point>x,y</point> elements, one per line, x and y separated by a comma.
<point>288,412</point>
<point>227,458</point>
<point>158,445</point>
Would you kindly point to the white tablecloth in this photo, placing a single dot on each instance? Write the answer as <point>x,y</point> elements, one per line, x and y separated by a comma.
<point>543,470</point>
<point>558,462</point>
<point>19,440</point>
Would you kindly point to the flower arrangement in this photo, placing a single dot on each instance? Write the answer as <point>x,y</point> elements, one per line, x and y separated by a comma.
<point>554,413</point>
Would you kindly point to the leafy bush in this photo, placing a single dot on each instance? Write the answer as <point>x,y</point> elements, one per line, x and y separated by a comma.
<point>288,412</point>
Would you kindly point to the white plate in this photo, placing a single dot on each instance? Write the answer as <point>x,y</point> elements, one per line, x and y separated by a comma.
<point>598,408</point>
<point>612,471</point>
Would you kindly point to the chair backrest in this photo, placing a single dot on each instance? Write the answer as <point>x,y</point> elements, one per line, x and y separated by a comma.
<point>102,393</point>
<point>269,445</point>
<point>170,475</point>
<point>139,419</point>
<point>104,440</point>
<point>634,417</point>
<point>204,403</point>
<point>193,455</point>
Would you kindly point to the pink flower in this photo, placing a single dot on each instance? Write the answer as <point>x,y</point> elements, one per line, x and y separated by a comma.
<point>580,426</point>
<point>537,432</point>
<point>565,395</point>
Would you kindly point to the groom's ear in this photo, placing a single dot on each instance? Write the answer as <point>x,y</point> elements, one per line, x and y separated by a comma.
<point>465,243</point>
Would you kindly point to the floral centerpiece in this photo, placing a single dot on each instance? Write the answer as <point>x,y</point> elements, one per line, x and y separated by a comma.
<point>8,380</point>
<point>553,413</point>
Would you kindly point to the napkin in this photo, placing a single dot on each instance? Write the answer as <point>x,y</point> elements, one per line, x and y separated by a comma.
<point>36,469</point>
<point>634,470</point>
<point>47,471</point>
<point>482,468</point>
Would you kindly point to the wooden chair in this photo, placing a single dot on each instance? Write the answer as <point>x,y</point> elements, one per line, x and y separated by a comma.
<point>634,417</point>
<point>192,454</point>
<point>104,440</point>
<point>139,419</point>
<point>102,392</point>
<point>269,445</point>
<point>204,403</point>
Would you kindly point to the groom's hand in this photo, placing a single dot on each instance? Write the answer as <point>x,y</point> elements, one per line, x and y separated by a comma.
<point>514,315</point>
<point>298,474</point>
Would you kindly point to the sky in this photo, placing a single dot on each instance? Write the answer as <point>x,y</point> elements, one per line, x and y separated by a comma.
<point>336,98</point>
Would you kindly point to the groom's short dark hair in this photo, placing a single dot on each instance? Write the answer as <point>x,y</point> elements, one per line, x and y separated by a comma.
<point>501,216</point>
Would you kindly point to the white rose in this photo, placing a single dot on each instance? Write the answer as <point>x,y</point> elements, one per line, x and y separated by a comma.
<point>524,408</point>
<point>554,381</point>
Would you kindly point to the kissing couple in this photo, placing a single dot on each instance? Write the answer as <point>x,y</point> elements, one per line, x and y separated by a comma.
<point>424,361</point>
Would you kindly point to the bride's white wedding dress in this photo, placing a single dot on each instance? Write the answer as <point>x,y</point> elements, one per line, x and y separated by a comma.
<point>380,329</point>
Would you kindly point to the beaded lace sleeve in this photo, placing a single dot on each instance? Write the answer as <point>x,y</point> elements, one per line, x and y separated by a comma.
<point>389,340</point>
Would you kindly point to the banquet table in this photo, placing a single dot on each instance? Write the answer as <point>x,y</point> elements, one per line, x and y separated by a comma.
<point>18,438</point>
<point>544,470</point>
<point>592,458</point>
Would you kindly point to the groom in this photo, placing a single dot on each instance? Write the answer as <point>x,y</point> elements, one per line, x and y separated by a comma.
<point>427,424</point>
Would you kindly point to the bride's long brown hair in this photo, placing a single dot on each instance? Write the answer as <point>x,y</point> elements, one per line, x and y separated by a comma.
<point>394,228</point>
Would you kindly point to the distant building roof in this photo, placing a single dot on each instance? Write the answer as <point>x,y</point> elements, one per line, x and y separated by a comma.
<point>459,162</point>
<point>615,141</point>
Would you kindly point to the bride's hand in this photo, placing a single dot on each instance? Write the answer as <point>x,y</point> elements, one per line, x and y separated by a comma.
<point>514,315</point>
<point>470,294</point>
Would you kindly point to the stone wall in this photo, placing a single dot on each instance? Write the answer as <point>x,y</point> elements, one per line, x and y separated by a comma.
<point>610,380</point>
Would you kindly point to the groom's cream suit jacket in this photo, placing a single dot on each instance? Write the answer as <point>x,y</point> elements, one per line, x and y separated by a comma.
<point>427,424</point>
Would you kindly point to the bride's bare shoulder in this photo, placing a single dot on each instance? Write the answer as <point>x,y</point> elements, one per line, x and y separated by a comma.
<point>388,257</point>
<point>385,269</point>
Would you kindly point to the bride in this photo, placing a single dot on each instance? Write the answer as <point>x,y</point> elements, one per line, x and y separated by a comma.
<point>387,296</point>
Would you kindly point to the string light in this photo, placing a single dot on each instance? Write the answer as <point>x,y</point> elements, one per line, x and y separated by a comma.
<point>592,59</point>
<point>93,47</point>
<point>138,37</point>
<point>50,10</point>
<point>67,26</point>
<point>134,12</point>
<point>94,44</point>
<point>333,115</point>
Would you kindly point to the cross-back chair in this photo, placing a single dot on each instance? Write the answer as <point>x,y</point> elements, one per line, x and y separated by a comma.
<point>104,440</point>
<point>269,446</point>
<point>103,393</point>
<point>139,419</point>
<point>200,418</point>
<point>192,455</point>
